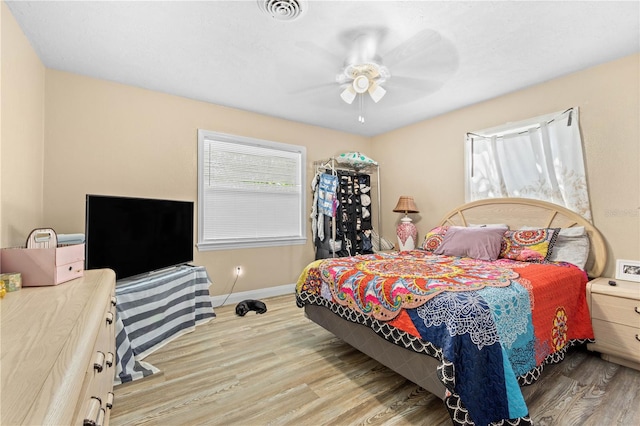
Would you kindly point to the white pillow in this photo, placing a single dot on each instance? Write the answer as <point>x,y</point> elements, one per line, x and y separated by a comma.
<point>575,231</point>
<point>571,249</point>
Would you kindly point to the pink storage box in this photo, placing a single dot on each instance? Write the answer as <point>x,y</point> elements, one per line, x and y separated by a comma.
<point>44,266</point>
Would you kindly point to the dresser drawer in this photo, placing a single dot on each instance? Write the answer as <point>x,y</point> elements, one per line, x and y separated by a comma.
<point>95,402</point>
<point>619,310</point>
<point>621,340</point>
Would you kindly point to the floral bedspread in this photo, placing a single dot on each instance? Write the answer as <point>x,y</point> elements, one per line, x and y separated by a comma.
<point>496,323</point>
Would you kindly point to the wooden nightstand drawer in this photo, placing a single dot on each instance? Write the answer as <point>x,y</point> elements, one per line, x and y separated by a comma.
<point>615,315</point>
<point>617,339</point>
<point>615,309</point>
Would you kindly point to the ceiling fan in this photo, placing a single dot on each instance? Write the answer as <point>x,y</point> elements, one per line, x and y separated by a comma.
<point>363,69</point>
<point>409,71</point>
<point>365,77</point>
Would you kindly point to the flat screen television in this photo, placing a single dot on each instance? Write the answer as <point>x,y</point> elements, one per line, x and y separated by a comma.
<point>134,236</point>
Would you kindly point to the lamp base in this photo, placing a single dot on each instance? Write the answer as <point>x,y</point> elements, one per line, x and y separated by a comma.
<point>407,234</point>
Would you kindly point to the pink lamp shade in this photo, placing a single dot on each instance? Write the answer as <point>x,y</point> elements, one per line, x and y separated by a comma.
<point>406,231</point>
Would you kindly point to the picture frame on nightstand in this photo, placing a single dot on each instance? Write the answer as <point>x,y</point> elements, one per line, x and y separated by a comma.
<point>628,270</point>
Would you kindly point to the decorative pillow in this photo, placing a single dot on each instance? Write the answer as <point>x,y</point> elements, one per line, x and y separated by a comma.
<point>477,243</point>
<point>433,239</point>
<point>574,231</point>
<point>489,225</point>
<point>529,245</point>
<point>572,246</point>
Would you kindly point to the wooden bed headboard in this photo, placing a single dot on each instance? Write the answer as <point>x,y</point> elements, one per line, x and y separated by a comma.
<point>519,212</point>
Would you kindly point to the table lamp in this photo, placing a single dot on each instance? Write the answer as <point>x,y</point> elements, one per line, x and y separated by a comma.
<point>406,230</point>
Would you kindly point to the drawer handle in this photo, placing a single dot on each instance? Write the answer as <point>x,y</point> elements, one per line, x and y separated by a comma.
<point>637,338</point>
<point>636,309</point>
<point>109,402</point>
<point>109,317</point>
<point>113,301</point>
<point>98,362</point>
<point>100,420</point>
<point>109,359</point>
<point>92,413</point>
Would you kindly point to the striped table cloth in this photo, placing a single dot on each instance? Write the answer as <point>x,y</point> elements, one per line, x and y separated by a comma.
<point>154,310</point>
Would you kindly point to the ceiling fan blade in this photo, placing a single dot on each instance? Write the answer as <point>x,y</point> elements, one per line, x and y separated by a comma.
<point>313,89</point>
<point>376,92</point>
<point>420,85</point>
<point>403,90</point>
<point>416,44</point>
<point>318,52</point>
<point>362,43</point>
<point>426,54</point>
<point>348,95</point>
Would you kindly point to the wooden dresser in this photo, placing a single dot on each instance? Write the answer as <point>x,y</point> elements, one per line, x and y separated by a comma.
<point>615,315</point>
<point>58,352</point>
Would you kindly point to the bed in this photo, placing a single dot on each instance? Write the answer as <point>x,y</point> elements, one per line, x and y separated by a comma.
<point>467,324</point>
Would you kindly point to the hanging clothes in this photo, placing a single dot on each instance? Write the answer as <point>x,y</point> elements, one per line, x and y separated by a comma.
<point>327,194</point>
<point>341,212</point>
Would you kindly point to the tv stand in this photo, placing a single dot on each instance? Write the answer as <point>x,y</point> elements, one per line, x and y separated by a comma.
<point>155,309</point>
<point>150,274</point>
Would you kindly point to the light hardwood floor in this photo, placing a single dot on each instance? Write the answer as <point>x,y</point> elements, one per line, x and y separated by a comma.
<point>281,369</point>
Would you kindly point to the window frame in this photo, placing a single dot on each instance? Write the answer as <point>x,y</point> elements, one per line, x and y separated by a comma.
<point>209,244</point>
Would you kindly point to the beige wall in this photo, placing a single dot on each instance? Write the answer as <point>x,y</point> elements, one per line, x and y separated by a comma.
<point>108,138</point>
<point>22,130</point>
<point>426,160</point>
<point>65,135</point>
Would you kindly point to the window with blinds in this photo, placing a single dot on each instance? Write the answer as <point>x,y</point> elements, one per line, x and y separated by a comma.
<point>250,192</point>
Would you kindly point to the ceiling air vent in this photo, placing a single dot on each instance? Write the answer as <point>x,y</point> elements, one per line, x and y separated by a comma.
<point>283,10</point>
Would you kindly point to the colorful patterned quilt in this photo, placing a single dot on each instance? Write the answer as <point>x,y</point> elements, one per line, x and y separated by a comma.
<point>497,323</point>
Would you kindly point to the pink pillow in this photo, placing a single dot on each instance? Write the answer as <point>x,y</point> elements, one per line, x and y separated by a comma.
<point>477,243</point>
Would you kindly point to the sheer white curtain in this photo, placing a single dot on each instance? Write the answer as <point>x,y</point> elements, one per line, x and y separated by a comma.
<point>539,158</point>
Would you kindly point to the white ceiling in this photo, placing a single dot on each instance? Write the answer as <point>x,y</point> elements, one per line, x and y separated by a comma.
<point>231,53</point>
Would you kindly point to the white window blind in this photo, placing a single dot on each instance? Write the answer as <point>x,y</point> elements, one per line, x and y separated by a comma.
<point>250,192</point>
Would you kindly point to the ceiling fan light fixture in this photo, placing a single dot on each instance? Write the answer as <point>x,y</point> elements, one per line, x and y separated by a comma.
<point>361,84</point>
<point>376,92</point>
<point>348,94</point>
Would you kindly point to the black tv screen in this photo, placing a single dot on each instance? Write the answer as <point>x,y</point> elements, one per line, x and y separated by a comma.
<point>133,236</point>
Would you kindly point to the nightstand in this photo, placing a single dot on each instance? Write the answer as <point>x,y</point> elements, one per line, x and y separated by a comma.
<point>615,315</point>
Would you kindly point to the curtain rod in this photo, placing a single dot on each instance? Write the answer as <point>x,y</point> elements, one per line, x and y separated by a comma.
<point>525,131</point>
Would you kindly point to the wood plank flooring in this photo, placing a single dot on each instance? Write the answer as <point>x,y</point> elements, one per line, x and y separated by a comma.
<point>279,368</point>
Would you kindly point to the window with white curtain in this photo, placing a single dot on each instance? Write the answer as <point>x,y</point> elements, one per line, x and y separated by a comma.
<point>540,158</point>
<point>250,192</point>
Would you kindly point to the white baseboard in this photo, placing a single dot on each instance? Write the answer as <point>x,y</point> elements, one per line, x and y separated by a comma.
<point>253,294</point>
